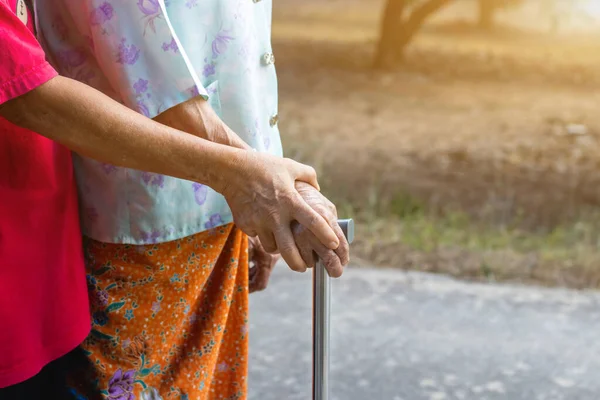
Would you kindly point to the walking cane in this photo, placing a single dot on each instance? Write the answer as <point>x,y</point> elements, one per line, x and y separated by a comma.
<point>321,309</point>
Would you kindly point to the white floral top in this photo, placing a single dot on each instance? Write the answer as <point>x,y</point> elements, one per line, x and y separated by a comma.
<point>151,55</point>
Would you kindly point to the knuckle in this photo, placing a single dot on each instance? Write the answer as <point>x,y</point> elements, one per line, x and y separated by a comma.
<point>333,265</point>
<point>306,254</point>
<point>321,209</point>
<point>292,198</point>
<point>273,216</point>
<point>329,258</point>
<point>287,248</point>
<point>314,221</point>
<point>332,209</point>
<point>344,247</point>
<point>345,259</point>
<point>289,202</point>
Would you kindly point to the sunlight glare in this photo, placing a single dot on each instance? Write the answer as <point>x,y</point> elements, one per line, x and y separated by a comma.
<point>592,8</point>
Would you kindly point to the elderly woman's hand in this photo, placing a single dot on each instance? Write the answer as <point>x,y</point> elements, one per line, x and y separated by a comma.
<point>260,190</point>
<point>333,260</point>
<point>263,262</point>
<point>262,265</point>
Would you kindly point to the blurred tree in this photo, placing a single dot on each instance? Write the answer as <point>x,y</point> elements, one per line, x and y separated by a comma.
<point>401,20</point>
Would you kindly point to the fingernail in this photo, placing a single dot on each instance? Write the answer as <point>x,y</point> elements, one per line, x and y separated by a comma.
<point>334,245</point>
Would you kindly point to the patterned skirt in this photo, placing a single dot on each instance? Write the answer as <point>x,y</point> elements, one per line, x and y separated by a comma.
<point>169,320</point>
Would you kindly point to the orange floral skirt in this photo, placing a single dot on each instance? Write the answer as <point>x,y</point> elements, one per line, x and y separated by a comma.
<point>170,320</point>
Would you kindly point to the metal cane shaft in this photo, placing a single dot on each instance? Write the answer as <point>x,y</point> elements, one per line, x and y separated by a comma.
<point>321,321</point>
<point>321,311</point>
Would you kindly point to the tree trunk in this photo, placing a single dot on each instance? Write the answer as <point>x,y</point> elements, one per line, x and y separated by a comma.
<point>414,22</point>
<point>397,32</point>
<point>391,24</point>
<point>486,14</point>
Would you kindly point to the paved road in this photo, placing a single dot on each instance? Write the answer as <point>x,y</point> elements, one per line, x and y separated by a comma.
<point>400,336</point>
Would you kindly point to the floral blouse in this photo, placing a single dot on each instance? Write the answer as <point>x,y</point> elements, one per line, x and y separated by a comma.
<point>151,55</point>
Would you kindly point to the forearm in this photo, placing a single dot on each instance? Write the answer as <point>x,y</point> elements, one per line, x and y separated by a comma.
<point>93,125</point>
<point>197,117</point>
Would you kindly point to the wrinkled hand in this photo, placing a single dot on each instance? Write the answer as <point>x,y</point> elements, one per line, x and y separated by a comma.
<point>260,187</point>
<point>262,265</point>
<point>263,199</point>
<point>333,260</point>
<point>261,194</point>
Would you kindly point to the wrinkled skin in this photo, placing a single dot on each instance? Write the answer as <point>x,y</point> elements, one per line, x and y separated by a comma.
<point>261,194</point>
<point>309,246</point>
<point>267,203</point>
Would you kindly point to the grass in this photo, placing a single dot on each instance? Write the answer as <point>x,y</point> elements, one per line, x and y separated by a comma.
<point>407,233</point>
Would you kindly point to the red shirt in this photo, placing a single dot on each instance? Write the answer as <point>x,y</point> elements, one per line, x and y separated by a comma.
<point>44,310</point>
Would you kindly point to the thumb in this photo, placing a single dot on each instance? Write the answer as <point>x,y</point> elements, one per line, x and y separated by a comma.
<point>305,173</point>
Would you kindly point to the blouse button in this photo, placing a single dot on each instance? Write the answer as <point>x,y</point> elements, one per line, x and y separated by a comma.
<point>268,58</point>
<point>274,120</point>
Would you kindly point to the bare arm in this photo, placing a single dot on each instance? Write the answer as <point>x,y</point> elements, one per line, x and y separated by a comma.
<point>93,125</point>
<point>197,117</point>
<point>259,188</point>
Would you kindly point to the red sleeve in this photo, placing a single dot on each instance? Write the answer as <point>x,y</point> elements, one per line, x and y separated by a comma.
<point>23,66</point>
